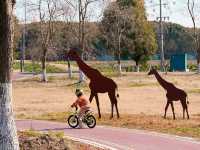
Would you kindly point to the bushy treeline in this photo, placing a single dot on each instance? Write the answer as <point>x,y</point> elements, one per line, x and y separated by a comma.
<point>123,30</point>
<point>177,38</point>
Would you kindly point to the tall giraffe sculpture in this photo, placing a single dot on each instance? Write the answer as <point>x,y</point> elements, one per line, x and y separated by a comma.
<point>173,94</point>
<point>98,83</point>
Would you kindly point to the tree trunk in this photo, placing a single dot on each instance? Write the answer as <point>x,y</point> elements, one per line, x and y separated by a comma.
<point>79,23</point>
<point>137,67</point>
<point>81,37</point>
<point>81,74</point>
<point>33,64</point>
<point>198,57</point>
<point>119,64</point>
<point>120,68</point>
<point>119,54</point>
<point>8,134</point>
<point>198,68</point>
<point>69,69</point>
<point>44,73</point>
<point>198,65</point>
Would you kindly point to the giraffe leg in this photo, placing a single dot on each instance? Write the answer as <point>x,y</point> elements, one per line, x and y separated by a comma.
<point>183,106</point>
<point>188,117</point>
<point>166,107</point>
<point>98,107</point>
<point>172,105</point>
<point>91,96</point>
<point>113,101</point>
<point>183,112</point>
<point>112,104</point>
<point>117,110</point>
<point>186,108</point>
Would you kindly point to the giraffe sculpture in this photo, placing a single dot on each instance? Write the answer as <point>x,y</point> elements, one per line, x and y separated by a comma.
<point>173,94</point>
<point>98,83</point>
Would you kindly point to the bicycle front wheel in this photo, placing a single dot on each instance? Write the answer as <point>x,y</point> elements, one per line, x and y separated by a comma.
<point>73,121</point>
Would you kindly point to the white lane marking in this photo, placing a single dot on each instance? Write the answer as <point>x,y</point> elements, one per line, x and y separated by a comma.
<point>153,133</point>
<point>99,143</point>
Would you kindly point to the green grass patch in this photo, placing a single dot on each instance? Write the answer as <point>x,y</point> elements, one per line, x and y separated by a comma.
<point>31,133</point>
<point>189,131</point>
<point>61,78</point>
<point>83,85</point>
<point>56,134</point>
<point>57,116</point>
<point>31,80</point>
<point>36,68</point>
<point>192,67</point>
<point>137,84</point>
<point>195,91</point>
<point>72,63</point>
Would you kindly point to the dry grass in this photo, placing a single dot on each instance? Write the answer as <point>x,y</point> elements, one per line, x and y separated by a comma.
<point>139,93</point>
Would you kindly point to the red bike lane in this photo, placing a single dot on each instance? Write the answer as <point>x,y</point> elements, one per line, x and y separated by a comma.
<point>116,138</point>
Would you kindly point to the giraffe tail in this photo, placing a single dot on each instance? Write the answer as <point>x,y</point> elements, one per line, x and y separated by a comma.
<point>187,100</point>
<point>117,92</point>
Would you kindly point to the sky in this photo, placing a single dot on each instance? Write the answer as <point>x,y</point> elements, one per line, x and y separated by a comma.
<point>176,10</point>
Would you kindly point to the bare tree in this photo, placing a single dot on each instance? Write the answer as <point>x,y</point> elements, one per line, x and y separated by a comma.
<point>114,25</point>
<point>8,135</point>
<point>81,7</point>
<point>48,12</point>
<point>82,13</point>
<point>46,29</point>
<point>191,4</point>
<point>69,31</point>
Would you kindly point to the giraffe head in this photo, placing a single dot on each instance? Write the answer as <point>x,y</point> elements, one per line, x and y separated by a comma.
<point>152,71</point>
<point>72,54</point>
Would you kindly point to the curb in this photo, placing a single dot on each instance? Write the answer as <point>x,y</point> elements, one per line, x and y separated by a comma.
<point>92,143</point>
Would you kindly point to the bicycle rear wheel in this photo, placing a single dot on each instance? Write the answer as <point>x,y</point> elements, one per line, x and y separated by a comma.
<point>91,121</point>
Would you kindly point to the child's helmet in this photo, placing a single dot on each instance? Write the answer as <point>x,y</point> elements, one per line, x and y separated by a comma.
<point>79,92</point>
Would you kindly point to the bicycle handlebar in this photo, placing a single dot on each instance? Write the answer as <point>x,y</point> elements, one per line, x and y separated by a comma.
<point>75,107</point>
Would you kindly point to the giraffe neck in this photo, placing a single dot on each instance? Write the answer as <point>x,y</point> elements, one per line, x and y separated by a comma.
<point>161,81</point>
<point>84,68</point>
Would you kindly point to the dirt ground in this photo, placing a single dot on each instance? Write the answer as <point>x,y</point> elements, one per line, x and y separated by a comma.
<point>139,94</point>
<point>32,140</point>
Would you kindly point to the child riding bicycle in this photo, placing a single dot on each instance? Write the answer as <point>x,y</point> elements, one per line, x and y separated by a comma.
<point>82,103</point>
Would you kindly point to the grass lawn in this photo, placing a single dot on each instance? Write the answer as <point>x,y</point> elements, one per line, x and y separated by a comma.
<point>141,103</point>
<point>36,68</point>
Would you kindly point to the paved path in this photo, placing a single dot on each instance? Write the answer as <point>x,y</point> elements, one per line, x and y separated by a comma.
<point>19,76</point>
<point>116,138</point>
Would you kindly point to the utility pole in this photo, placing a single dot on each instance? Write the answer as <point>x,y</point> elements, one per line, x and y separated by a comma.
<point>161,36</point>
<point>24,41</point>
<point>161,46</point>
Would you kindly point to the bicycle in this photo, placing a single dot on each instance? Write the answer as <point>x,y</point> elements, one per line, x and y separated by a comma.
<point>88,119</point>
